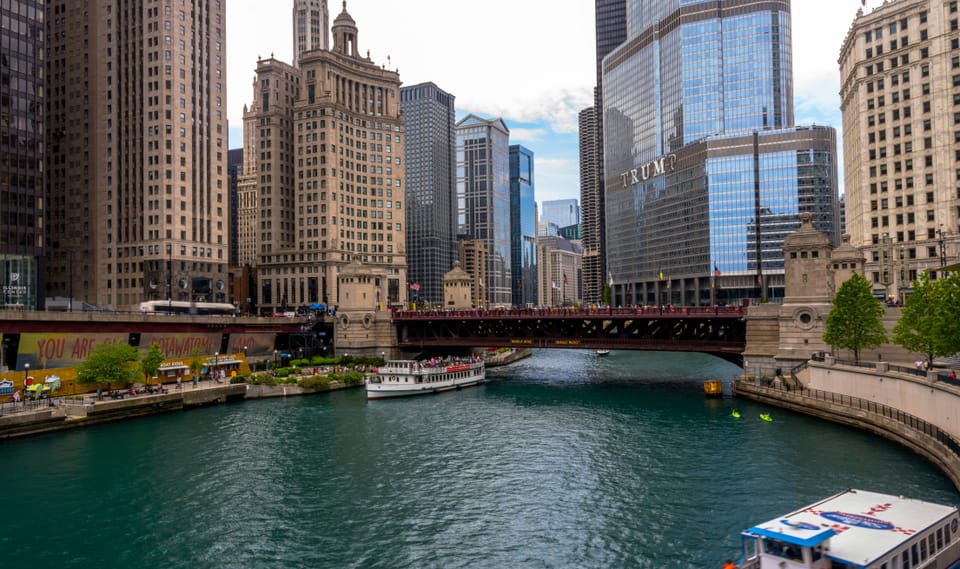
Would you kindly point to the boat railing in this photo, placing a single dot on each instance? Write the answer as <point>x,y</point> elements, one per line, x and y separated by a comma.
<point>885,411</point>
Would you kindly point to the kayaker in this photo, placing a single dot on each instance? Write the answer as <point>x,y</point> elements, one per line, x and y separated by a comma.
<point>729,565</point>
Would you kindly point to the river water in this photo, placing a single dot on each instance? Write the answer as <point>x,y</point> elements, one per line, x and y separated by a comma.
<point>564,459</point>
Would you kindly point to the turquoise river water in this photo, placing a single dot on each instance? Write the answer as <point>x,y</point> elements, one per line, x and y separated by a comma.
<point>564,459</point>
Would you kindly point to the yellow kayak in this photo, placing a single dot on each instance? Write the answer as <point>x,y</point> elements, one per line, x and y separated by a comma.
<point>766,417</point>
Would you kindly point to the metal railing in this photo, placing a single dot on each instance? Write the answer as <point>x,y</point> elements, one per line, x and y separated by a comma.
<point>944,376</point>
<point>25,406</point>
<point>908,370</point>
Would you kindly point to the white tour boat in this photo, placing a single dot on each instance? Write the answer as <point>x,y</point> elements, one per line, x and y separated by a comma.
<point>856,529</point>
<point>400,378</point>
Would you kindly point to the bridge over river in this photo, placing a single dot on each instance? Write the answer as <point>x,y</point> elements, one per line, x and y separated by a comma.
<point>716,330</point>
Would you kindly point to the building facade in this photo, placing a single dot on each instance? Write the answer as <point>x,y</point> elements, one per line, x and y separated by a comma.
<point>900,93</point>
<point>22,154</point>
<point>611,31</point>
<point>483,201</point>
<point>702,185</point>
<point>311,23</point>
<point>429,116</point>
<point>560,272</point>
<point>591,197</point>
<point>562,212</point>
<point>523,226</point>
<point>326,146</point>
<point>138,191</point>
<point>234,174</point>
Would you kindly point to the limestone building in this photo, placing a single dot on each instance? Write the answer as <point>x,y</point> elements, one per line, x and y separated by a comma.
<point>138,201</point>
<point>559,272</point>
<point>311,20</point>
<point>900,97</point>
<point>326,142</point>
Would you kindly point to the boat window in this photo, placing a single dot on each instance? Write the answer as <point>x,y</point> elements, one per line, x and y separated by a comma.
<point>783,549</point>
<point>923,550</point>
<point>939,538</point>
<point>883,565</point>
<point>913,554</point>
<point>906,560</point>
<point>817,552</point>
<point>930,544</point>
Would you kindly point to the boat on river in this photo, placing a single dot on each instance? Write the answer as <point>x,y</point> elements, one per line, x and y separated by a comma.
<point>856,529</point>
<point>403,378</point>
<point>603,352</point>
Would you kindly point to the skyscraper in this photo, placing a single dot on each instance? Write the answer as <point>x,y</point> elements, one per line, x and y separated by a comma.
<point>311,22</point>
<point>591,198</point>
<point>562,212</point>
<point>138,195</point>
<point>611,30</point>
<point>483,200</point>
<point>324,146</point>
<point>705,172</point>
<point>22,158</point>
<point>523,227</point>
<point>900,93</point>
<point>429,116</point>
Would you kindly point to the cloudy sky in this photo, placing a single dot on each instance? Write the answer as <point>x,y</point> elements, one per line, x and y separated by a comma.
<point>530,62</point>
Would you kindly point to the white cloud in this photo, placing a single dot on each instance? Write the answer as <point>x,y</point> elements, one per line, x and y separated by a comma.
<point>526,136</point>
<point>527,61</point>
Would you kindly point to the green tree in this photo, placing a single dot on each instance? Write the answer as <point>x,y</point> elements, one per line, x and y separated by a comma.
<point>109,363</point>
<point>930,323</point>
<point>150,363</point>
<point>856,320</point>
<point>196,361</point>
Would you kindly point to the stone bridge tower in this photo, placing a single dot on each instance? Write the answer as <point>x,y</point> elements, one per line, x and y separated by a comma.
<point>363,327</point>
<point>782,336</point>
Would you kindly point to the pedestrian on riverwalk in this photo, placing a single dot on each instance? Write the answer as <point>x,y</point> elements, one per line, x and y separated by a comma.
<point>16,397</point>
<point>179,383</point>
<point>879,357</point>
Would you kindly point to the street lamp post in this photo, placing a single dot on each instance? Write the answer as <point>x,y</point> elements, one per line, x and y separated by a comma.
<point>943,250</point>
<point>26,374</point>
<point>274,359</point>
<point>216,362</point>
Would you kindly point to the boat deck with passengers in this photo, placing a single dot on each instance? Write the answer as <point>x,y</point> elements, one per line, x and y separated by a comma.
<point>856,529</point>
<point>403,378</point>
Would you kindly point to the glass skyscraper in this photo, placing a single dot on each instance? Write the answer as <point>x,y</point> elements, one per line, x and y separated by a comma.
<point>611,25</point>
<point>562,212</point>
<point>429,115</point>
<point>705,172</point>
<point>523,226</point>
<point>483,200</point>
<point>22,154</point>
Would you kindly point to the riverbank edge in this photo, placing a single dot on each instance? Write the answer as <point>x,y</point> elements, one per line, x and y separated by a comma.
<point>506,358</point>
<point>72,415</point>
<point>918,441</point>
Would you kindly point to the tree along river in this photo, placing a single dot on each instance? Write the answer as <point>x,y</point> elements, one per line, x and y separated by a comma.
<point>564,459</point>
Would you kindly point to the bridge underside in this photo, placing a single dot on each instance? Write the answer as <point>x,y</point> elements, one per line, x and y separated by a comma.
<point>723,337</point>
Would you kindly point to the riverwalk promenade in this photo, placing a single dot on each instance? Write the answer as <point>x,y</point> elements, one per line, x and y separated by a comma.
<point>36,416</point>
<point>32,417</point>
<point>913,407</point>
